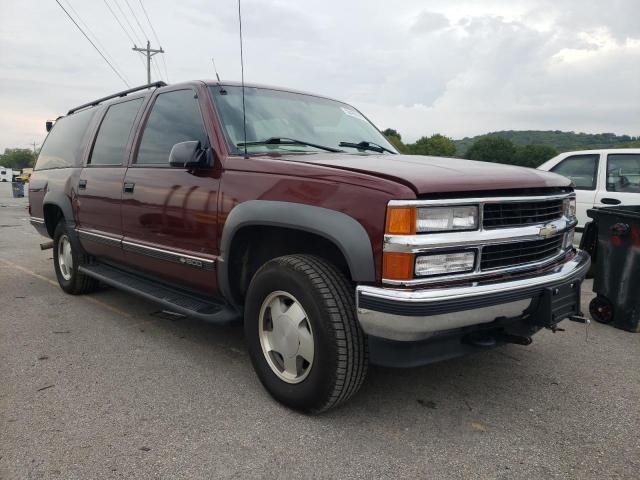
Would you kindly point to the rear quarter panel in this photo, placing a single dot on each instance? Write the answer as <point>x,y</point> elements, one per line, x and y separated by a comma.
<point>60,180</point>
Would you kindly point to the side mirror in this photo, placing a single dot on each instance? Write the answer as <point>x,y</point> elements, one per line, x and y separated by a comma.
<point>187,154</point>
<point>48,125</point>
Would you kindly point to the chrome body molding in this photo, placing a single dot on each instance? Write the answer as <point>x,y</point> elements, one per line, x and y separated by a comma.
<point>478,200</point>
<point>99,238</point>
<point>169,255</point>
<point>427,242</point>
<point>408,315</point>
<point>159,253</point>
<point>476,240</point>
<point>36,220</point>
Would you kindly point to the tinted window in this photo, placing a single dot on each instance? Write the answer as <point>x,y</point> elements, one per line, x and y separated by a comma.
<point>65,143</point>
<point>623,172</point>
<point>113,136</point>
<point>275,113</point>
<point>581,169</point>
<point>175,117</point>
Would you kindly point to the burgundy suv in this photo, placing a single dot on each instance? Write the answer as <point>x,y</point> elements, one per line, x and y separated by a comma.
<point>302,221</point>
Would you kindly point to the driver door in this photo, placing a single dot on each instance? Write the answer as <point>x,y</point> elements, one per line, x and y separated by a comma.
<point>169,214</point>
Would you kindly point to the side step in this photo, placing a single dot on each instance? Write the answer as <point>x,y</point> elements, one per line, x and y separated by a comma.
<point>170,298</point>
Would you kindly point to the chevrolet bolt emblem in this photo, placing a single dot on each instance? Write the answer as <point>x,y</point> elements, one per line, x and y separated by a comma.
<point>548,231</point>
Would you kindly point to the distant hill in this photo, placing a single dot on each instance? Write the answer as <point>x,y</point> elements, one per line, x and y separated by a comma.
<point>561,141</point>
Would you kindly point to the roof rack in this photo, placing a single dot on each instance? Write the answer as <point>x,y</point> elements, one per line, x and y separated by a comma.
<point>124,93</point>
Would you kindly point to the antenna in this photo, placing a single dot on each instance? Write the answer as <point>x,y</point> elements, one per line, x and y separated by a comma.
<point>215,69</point>
<point>244,113</point>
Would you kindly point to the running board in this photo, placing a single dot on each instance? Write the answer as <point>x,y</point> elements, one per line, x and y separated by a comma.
<point>170,298</point>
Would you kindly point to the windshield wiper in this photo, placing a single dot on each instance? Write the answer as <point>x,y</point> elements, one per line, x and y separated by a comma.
<point>364,145</point>
<point>288,141</point>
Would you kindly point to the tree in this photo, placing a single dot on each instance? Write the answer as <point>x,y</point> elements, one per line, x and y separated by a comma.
<point>436,145</point>
<point>17,158</point>
<point>533,155</point>
<point>492,149</point>
<point>395,139</point>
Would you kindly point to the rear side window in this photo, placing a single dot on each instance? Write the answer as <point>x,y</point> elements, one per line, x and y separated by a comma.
<point>581,169</point>
<point>66,141</point>
<point>623,172</point>
<point>113,135</point>
<point>174,118</point>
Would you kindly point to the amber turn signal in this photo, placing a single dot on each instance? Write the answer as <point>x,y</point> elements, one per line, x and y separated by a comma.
<point>397,266</point>
<point>401,220</point>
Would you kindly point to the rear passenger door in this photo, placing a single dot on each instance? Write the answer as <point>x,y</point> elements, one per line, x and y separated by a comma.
<point>582,169</point>
<point>621,185</point>
<point>169,214</point>
<point>100,184</point>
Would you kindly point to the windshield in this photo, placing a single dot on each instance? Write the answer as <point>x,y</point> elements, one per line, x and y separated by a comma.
<point>315,124</point>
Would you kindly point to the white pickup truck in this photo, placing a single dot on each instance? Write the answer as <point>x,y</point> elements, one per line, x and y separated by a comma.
<point>601,177</point>
<point>6,174</point>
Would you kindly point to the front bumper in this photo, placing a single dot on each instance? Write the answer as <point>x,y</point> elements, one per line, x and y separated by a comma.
<point>411,315</point>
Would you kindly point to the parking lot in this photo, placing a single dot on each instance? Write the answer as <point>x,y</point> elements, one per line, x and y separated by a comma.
<point>105,385</point>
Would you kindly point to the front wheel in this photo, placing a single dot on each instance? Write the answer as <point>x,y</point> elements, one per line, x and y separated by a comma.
<point>304,338</point>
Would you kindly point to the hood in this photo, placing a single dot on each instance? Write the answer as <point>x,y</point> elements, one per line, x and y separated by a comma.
<point>440,174</point>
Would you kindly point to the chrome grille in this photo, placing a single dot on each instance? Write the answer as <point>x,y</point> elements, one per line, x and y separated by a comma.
<point>516,214</point>
<point>519,253</point>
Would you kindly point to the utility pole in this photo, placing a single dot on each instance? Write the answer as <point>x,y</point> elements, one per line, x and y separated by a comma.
<point>34,147</point>
<point>148,52</point>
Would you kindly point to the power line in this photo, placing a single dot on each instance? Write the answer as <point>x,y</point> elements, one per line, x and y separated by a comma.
<point>155,35</point>
<point>95,37</point>
<point>135,17</point>
<point>144,33</point>
<point>119,22</point>
<point>93,44</point>
<point>126,32</point>
<point>144,10</point>
<point>126,19</point>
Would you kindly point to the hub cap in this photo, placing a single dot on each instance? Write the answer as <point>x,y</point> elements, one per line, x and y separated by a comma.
<point>65,259</point>
<point>286,337</point>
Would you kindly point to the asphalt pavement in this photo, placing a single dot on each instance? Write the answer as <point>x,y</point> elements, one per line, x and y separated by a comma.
<point>107,386</point>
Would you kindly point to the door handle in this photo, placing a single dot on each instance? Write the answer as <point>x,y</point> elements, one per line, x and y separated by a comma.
<point>128,187</point>
<point>82,184</point>
<point>610,201</point>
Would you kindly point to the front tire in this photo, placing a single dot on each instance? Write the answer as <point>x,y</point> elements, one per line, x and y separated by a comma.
<point>304,339</point>
<point>67,257</point>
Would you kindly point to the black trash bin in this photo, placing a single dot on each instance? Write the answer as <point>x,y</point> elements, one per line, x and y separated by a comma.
<point>18,189</point>
<point>613,239</point>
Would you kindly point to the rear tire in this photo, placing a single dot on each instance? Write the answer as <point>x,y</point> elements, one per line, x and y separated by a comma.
<point>315,358</point>
<point>67,257</point>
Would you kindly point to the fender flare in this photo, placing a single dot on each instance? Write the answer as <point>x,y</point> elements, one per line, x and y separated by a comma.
<point>339,228</point>
<point>63,202</point>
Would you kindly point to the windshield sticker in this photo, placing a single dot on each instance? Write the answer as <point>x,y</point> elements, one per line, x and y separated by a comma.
<point>352,113</point>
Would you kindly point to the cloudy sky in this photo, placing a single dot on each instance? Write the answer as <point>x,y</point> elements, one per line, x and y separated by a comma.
<point>459,68</point>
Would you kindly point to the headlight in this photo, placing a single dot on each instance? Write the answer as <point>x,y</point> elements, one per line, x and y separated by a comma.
<point>569,207</point>
<point>446,219</point>
<point>445,263</point>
